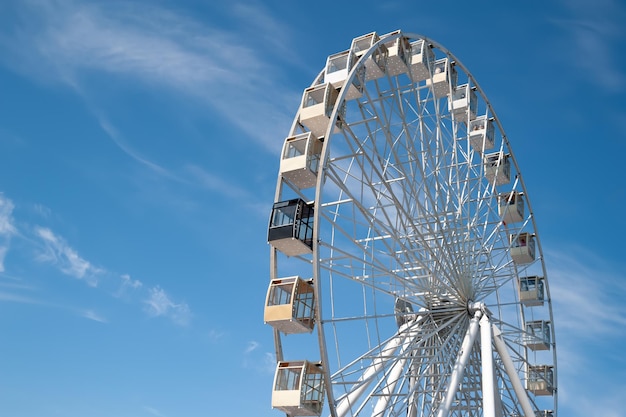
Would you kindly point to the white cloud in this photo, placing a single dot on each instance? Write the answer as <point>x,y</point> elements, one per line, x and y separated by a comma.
<point>153,411</point>
<point>7,227</point>
<point>587,295</point>
<point>215,335</point>
<point>579,283</point>
<point>15,298</point>
<point>159,304</point>
<point>92,315</point>
<point>115,136</point>
<point>594,30</point>
<point>53,249</point>
<point>127,284</point>
<point>252,346</point>
<point>232,72</point>
<point>217,183</point>
<point>57,252</point>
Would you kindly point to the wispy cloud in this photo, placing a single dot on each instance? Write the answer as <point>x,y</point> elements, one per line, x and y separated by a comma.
<point>16,298</point>
<point>587,295</point>
<point>92,315</point>
<point>51,248</point>
<point>117,138</point>
<point>217,183</point>
<point>57,252</point>
<point>578,283</point>
<point>594,31</point>
<point>127,285</point>
<point>233,73</point>
<point>159,304</point>
<point>7,227</point>
<point>252,346</point>
<point>153,411</point>
<point>215,335</point>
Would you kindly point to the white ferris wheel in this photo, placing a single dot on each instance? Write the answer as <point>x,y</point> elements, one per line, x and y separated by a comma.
<point>406,273</point>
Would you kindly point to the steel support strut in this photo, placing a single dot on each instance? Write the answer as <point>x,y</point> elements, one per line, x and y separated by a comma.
<point>488,377</point>
<point>509,367</point>
<point>460,364</point>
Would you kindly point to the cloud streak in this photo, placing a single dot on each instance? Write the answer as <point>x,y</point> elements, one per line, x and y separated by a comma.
<point>7,227</point>
<point>588,322</point>
<point>70,41</point>
<point>594,30</point>
<point>53,249</point>
<point>159,304</point>
<point>578,284</point>
<point>57,252</point>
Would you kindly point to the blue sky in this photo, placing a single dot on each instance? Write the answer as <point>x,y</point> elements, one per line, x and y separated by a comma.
<point>139,147</point>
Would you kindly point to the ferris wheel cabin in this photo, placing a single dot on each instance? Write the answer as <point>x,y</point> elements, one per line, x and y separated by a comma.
<point>481,133</point>
<point>511,207</point>
<point>531,290</point>
<point>376,63</point>
<point>522,248</point>
<point>291,227</point>
<point>497,168</point>
<point>422,57</point>
<point>540,380</point>
<point>443,77</point>
<point>463,103</point>
<point>338,66</point>
<point>399,57</point>
<point>537,335</point>
<point>298,388</point>
<point>316,108</point>
<point>289,305</point>
<point>300,159</point>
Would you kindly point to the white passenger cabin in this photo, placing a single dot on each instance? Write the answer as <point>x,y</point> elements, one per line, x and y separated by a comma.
<point>463,103</point>
<point>497,168</point>
<point>481,132</point>
<point>291,227</point>
<point>399,57</point>
<point>522,248</point>
<point>290,305</point>
<point>338,67</point>
<point>537,335</point>
<point>377,62</point>
<point>531,292</point>
<point>298,388</point>
<point>422,58</point>
<point>540,380</point>
<point>300,159</point>
<point>511,207</point>
<point>316,108</point>
<point>443,78</point>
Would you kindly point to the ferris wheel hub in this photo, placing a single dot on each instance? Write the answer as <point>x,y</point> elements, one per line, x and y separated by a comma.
<point>478,306</point>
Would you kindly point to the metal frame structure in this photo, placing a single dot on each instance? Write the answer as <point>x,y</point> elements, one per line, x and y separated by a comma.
<point>411,258</point>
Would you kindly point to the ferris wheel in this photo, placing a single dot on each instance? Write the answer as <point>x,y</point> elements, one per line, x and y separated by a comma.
<point>406,272</point>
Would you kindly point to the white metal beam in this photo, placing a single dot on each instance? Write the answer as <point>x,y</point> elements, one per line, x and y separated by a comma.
<point>489,401</point>
<point>459,366</point>
<point>346,403</point>
<point>509,367</point>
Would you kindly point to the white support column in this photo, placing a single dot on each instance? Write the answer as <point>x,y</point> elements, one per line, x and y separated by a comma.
<point>459,366</point>
<point>489,388</point>
<point>522,396</point>
<point>393,377</point>
<point>392,380</point>
<point>499,412</point>
<point>366,379</point>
